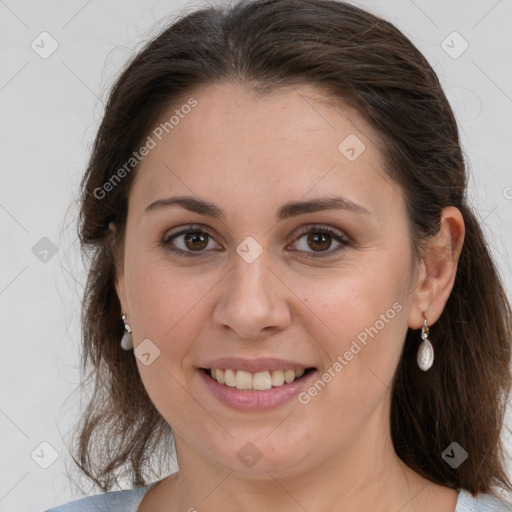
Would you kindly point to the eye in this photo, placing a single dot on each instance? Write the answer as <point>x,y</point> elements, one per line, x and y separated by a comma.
<point>186,242</point>
<point>195,240</point>
<point>320,239</point>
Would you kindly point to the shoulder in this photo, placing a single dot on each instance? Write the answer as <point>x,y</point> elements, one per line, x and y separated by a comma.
<point>127,501</point>
<point>481,503</point>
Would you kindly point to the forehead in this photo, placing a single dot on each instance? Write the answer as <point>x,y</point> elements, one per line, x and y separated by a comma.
<point>258,147</point>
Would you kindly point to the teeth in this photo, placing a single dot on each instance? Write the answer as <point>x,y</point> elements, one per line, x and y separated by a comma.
<point>219,374</point>
<point>259,381</point>
<point>229,378</point>
<point>243,380</point>
<point>277,378</point>
<point>289,376</point>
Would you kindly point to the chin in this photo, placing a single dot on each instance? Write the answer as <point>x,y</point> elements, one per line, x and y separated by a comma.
<point>256,457</point>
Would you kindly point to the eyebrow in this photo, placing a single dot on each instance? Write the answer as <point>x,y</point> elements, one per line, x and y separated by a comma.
<point>290,209</point>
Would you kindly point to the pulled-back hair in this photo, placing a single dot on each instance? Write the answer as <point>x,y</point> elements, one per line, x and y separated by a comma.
<point>359,60</point>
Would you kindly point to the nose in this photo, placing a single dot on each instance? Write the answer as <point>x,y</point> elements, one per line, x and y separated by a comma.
<point>254,301</point>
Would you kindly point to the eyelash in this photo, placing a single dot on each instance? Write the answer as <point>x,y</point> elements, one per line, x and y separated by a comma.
<point>310,229</point>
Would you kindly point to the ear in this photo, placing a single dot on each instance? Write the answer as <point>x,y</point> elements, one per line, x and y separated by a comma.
<point>119,279</point>
<point>438,269</point>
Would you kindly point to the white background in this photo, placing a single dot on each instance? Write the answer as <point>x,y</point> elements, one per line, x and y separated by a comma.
<point>50,109</point>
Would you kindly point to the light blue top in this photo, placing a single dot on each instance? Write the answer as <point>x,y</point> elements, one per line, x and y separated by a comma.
<point>128,501</point>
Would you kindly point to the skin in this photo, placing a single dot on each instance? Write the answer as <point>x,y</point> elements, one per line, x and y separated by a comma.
<point>249,155</point>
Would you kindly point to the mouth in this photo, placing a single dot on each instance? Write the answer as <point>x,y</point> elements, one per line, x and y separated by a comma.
<point>256,391</point>
<point>259,381</point>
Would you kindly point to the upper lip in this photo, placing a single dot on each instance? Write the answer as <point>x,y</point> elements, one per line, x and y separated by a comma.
<point>254,365</point>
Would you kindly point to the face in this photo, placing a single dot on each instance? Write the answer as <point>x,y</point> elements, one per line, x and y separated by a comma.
<point>300,261</point>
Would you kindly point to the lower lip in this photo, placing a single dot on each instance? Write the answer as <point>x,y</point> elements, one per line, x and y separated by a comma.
<point>256,400</point>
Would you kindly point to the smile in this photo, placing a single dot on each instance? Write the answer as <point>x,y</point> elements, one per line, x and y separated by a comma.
<point>256,391</point>
<point>259,381</point>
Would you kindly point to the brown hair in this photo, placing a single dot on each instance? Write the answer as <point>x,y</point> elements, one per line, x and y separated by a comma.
<point>366,63</point>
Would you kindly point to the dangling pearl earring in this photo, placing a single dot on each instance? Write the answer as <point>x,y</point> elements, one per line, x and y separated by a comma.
<point>127,339</point>
<point>425,357</point>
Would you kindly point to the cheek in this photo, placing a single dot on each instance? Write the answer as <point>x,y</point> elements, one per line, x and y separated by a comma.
<point>168,305</point>
<point>348,303</point>
<point>359,319</point>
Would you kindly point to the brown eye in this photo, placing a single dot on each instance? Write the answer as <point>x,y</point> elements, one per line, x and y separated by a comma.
<point>319,241</point>
<point>186,242</point>
<point>196,241</point>
<point>316,242</point>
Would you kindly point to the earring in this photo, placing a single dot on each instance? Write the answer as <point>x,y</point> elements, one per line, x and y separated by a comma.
<point>127,339</point>
<point>425,357</point>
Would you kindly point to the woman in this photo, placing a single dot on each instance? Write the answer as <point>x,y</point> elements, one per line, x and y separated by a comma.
<point>286,273</point>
